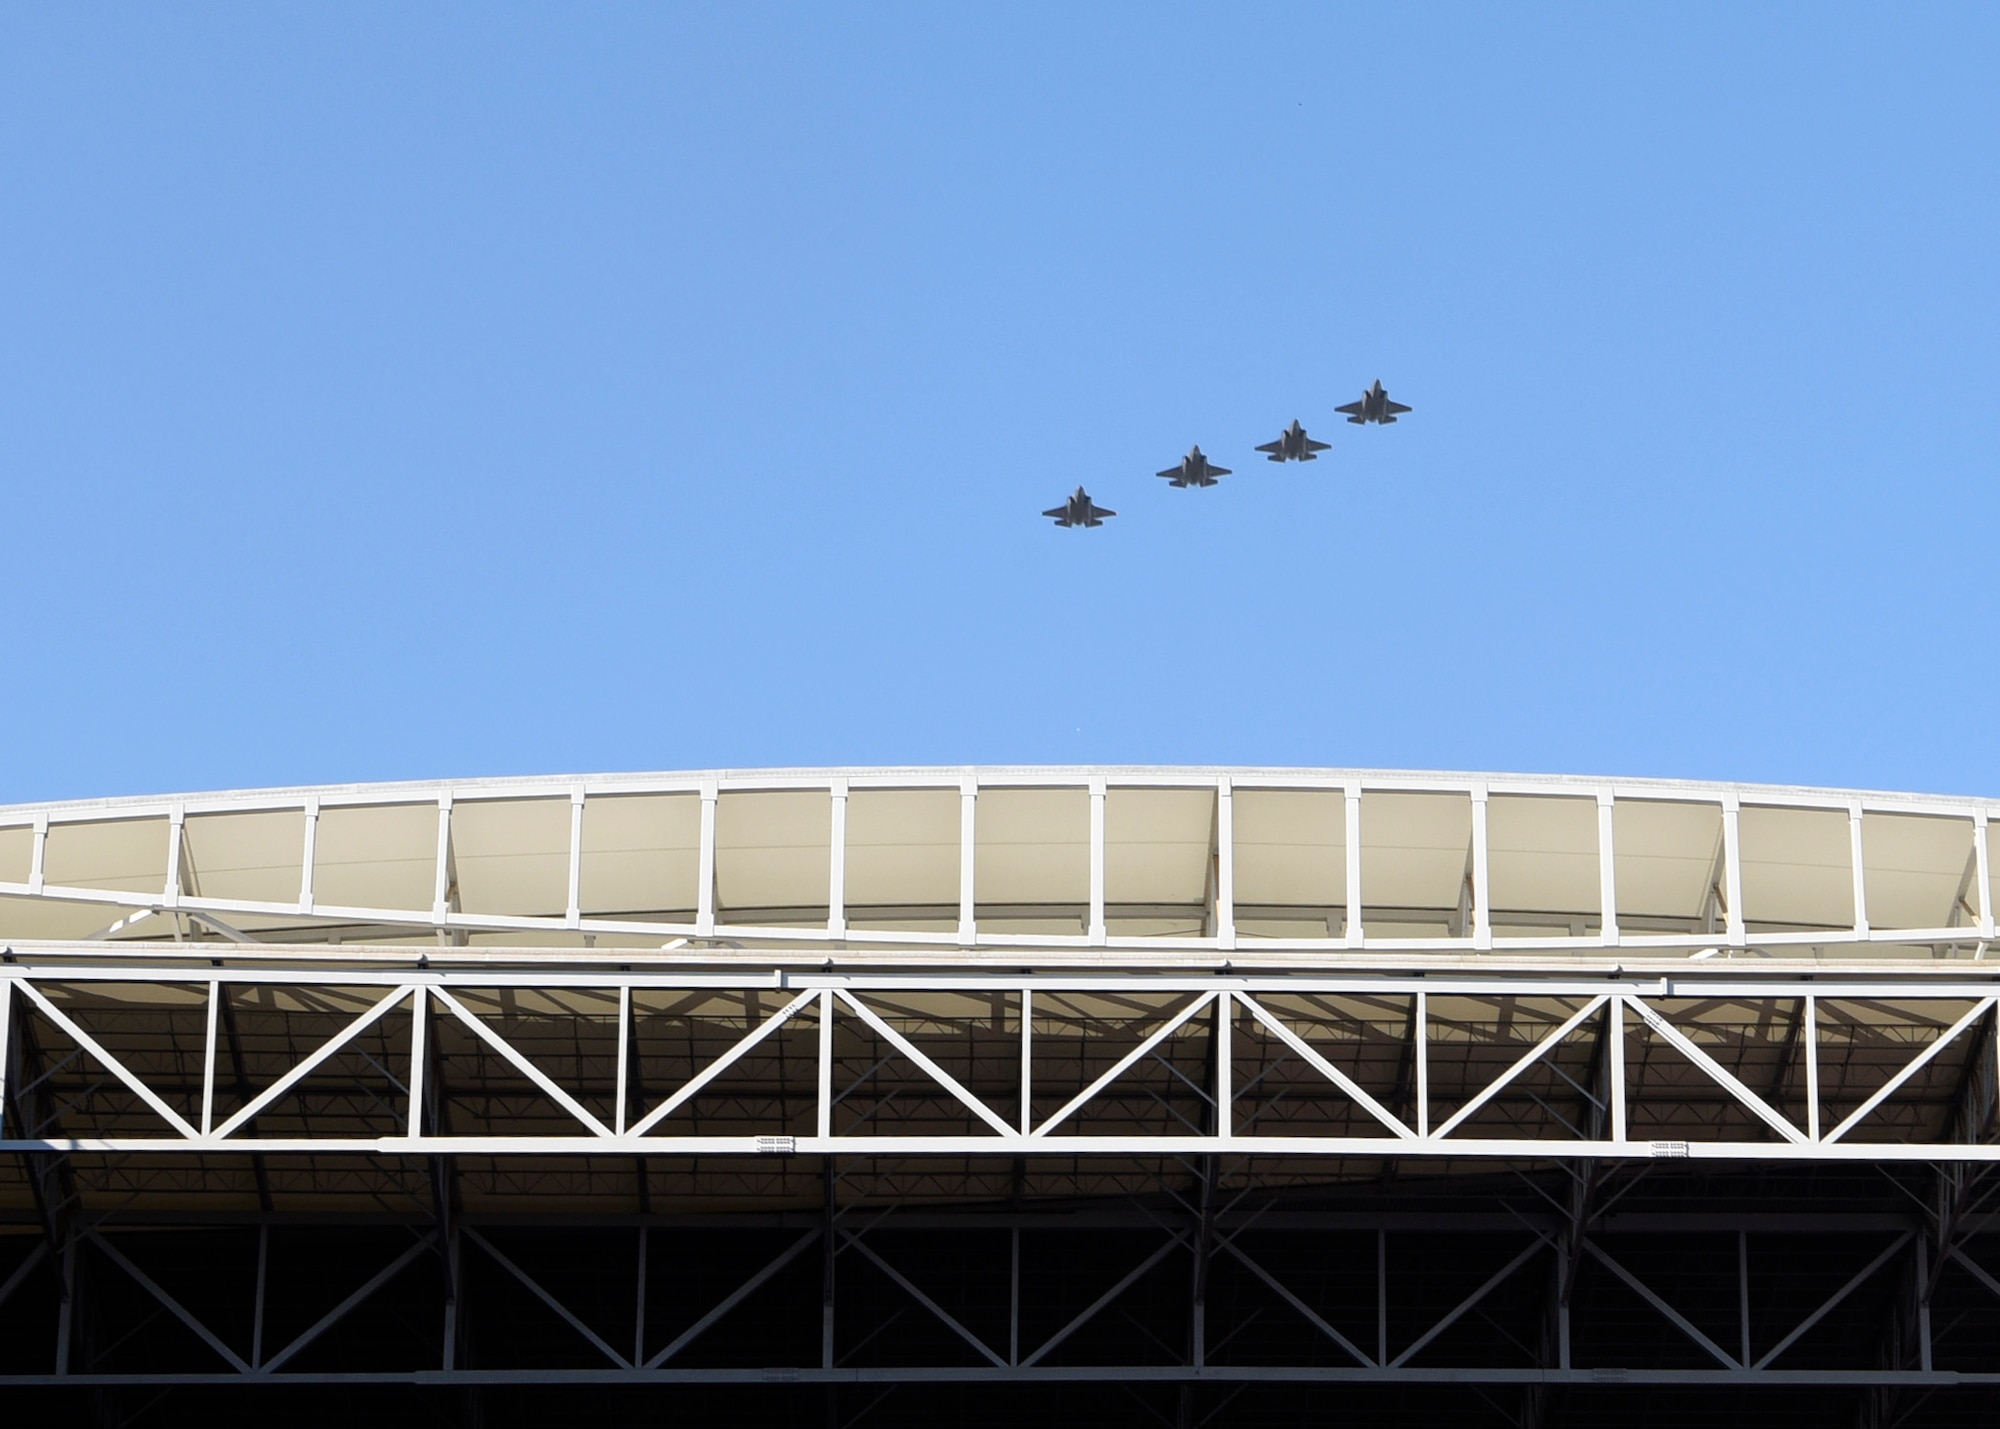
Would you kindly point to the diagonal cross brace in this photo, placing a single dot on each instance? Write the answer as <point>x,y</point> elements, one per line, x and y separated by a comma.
<point>339,1312</point>
<point>111,1064</point>
<point>1458,1312</point>
<point>924,1300</point>
<point>734,1298</point>
<point>1125,1063</point>
<point>174,1307</point>
<point>521,1064</point>
<point>1317,1320</point>
<point>1528,1059</point>
<point>1834,1299</point>
<point>1646,1293</point>
<point>1326,1069</point>
<point>932,1069</point>
<point>310,1064</point>
<point>1716,1072</point>
<point>1089,1312</point>
<point>569,1316</point>
<point>720,1065</point>
<point>1917,1064</point>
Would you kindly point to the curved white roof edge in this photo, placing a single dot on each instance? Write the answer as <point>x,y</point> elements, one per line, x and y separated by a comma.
<point>779,777</point>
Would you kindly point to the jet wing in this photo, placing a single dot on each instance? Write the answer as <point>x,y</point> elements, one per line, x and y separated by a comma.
<point>1352,409</point>
<point>1218,471</point>
<point>1098,512</point>
<point>1313,446</point>
<point>1058,513</point>
<point>1276,446</point>
<point>1172,473</point>
<point>1394,407</point>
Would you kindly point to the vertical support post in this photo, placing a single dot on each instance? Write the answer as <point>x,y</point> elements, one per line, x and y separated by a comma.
<point>1422,1055</point>
<point>828,1232</point>
<point>1921,1272</point>
<point>257,1307</point>
<point>207,1058</point>
<point>1743,1292</point>
<point>1811,1034</point>
<point>420,1001</point>
<point>836,864</point>
<point>1983,872</point>
<point>448,1353</point>
<point>66,1303</point>
<point>440,900</point>
<point>1855,857</point>
<point>6,1059</point>
<point>624,1052</point>
<point>1353,853</point>
<point>1014,1302</point>
<point>308,855</point>
<point>1027,1060</point>
<point>639,1311</point>
<point>825,1124</point>
<point>1382,1298</point>
<point>170,895</point>
<point>1482,887</point>
<point>38,860</point>
<point>1225,864</point>
<point>968,858</point>
<point>1614,1028</point>
<point>704,913</point>
<point>1097,796</point>
<point>1225,1086</point>
<point>1607,869</point>
<point>1732,869</point>
<point>573,903</point>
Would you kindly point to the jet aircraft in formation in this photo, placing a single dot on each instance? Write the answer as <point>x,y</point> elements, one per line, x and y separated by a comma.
<point>1294,445</point>
<point>1374,406</point>
<point>1195,469</point>
<point>1079,510</point>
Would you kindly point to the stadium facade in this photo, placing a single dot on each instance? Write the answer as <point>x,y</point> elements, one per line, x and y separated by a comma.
<point>1199,1096</point>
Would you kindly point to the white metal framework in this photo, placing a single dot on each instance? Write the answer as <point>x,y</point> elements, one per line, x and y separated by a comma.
<point>1451,1064</point>
<point>1370,1062</point>
<point>1258,864</point>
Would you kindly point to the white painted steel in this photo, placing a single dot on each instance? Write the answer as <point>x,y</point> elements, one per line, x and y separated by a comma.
<point>74,867</point>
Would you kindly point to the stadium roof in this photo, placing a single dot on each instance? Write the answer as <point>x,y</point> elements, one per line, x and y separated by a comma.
<point>1254,862</point>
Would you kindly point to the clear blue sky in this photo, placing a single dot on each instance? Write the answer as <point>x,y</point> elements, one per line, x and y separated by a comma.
<point>409,391</point>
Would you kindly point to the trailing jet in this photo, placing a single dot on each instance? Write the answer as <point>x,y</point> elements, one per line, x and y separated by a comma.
<point>1294,445</point>
<point>1194,470</point>
<point>1079,510</point>
<point>1374,406</point>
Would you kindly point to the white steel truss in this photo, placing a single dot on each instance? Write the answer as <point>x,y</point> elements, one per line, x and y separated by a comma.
<point>1848,1069</point>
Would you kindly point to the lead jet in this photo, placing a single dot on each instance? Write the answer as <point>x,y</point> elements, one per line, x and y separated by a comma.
<point>1294,445</point>
<point>1194,470</point>
<point>1374,406</point>
<point>1079,510</point>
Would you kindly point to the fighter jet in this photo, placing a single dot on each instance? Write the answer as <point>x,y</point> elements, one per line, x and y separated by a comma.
<point>1294,445</point>
<point>1079,510</point>
<point>1194,470</point>
<point>1374,406</point>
